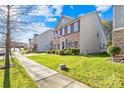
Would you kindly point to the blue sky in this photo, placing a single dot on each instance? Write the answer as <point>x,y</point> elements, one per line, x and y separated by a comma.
<point>46,17</point>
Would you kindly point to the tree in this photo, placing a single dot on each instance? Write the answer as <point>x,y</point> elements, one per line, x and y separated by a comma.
<point>12,20</point>
<point>107,25</point>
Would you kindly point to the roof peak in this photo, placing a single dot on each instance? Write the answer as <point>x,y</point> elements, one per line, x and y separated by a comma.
<point>67,16</point>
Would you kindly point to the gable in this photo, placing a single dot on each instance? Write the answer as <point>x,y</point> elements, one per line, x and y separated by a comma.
<point>64,20</point>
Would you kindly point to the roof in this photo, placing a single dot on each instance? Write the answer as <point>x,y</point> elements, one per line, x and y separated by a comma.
<point>67,18</point>
<point>43,33</point>
<point>71,19</point>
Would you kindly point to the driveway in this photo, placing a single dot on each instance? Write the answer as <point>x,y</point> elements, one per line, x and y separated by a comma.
<point>46,77</point>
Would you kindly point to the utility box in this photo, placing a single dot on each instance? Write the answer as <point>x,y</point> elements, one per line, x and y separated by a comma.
<point>62,66</point>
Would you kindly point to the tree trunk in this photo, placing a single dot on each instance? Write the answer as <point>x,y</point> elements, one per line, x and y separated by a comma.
<point>6,83</point>
<point>7,61</point>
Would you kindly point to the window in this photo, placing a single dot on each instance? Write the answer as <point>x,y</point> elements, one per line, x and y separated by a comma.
<point>55,35</point>
<point>59,33</point>
<point>66,43</point>
<point>63,45</point>
<point>69,44</point>
<point>100,46</point>
<point>68,29</point>
<point>58,46</point>
<point>104,46</point>
<point>63,31</point>
<point>76,44</point>
<point>76,27</point>
<point>97,34</point>
<point>54,46</point>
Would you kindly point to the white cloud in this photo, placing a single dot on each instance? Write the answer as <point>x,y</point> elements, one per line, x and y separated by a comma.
<point>71,7</point>
<point>39,27</point>
<point>49,12</point>
<point>42,11</point>
<point>58,9</point>
<point>51,19</point>
<point>102,8</point>
<point>34,28</point>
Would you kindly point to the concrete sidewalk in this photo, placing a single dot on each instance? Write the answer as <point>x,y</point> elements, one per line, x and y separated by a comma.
<point>46,77</point>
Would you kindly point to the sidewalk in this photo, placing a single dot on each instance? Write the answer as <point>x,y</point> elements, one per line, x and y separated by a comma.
<point>46,77</point>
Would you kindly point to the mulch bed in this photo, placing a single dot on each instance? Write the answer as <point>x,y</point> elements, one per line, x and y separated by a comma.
<point>117,59</point>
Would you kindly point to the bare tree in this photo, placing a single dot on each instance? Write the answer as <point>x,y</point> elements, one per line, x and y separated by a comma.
<point>12,20</point>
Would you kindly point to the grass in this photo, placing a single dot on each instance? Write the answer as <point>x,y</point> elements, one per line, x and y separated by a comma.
<point>93,70</point>
<point>18,77</point>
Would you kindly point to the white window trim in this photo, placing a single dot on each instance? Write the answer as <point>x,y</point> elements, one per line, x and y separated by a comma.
<point>77,24</point>
<point>68,29</point>
<point>63,31</point>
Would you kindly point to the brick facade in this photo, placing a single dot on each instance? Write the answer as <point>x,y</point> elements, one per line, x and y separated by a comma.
<point>118,39</point>
<point>72,37</point>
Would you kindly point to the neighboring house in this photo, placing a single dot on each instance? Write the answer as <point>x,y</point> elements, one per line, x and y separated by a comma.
<point>118,26</point>
<point>42,42</point>
<point>15,44</point>
<point>84,32</point>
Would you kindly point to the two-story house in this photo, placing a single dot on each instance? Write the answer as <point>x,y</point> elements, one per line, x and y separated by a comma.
<point>41,42</point>
<point>84,32</point>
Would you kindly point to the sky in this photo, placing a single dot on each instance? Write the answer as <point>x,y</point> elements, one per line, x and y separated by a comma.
<point>47,16</point>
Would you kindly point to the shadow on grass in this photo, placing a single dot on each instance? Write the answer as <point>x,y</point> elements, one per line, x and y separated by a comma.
<point>101,55</point>
<point>6,83</point>
<point>66,69</point>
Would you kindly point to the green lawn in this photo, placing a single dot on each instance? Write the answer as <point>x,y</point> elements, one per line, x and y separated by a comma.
<point>93,70</point>
<point>18,77</point>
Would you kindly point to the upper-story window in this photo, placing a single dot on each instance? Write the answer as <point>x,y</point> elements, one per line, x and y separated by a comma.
<point>76,27</point>
<point>55,34</point>
<point>68,29</point>
<point>59,33</point>
<point>63,31</point>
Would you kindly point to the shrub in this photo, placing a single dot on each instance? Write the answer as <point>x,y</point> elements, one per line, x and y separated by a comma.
<point>68,52</point>
<point>60,52</point>
<point>65,49</point>
<point>113,50</point>
<point>56,52</point>
<point>49,51</point>
<point>53,51</point>
<point>109,43</point>
<point>75,51</point>
<point>25,51</point>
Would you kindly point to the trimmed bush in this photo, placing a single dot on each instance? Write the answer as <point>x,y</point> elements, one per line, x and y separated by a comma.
<point>53,51</point>
<point>49,51</point>
<point>75,51</point>
<point>56,52</point>
<point>68,52</point>
<point>60,52</point>
<point>113,50</point>
<point>25,51</point>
